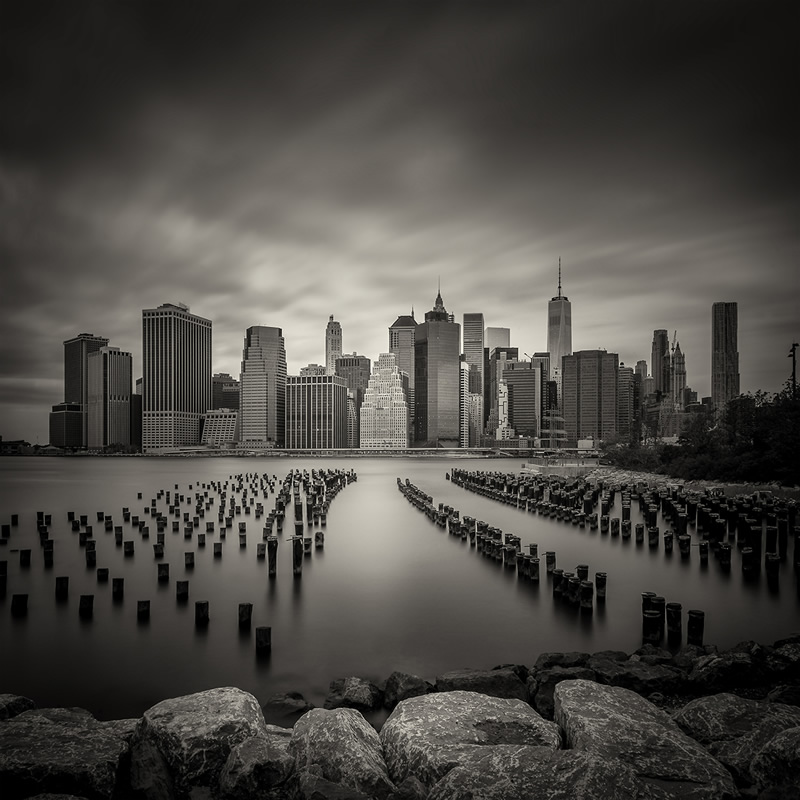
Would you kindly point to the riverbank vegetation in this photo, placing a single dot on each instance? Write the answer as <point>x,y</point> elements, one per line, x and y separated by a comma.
<point>756,440</point>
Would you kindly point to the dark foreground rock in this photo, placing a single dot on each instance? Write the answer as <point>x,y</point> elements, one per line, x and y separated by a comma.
<point>285,709</point>
<point>428,736</point>
<point>776,766</point>
<point>62,750</point>
<point>11,705</point>
<point>734,729</point>
<point>358,693</point>
<point>339,747</point>
<point>401,685</point>
<point>260,766</point>
<point>503,682</point>
<point>522,772</point>
<point>615,723</point>
<point>181,746</point>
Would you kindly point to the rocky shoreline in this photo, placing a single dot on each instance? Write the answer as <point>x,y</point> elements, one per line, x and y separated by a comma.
<point>700,723</point>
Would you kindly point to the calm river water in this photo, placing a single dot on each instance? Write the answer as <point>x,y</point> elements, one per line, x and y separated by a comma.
<point>389,591</point>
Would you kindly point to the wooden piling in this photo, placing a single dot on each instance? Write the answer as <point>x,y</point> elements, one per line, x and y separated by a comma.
<point>117,588</point>
<point>102,574</point>
<point>163,572</point>
<point>62,587</point>
<point>19,605</point>
<point>86,606</point>
<point>263,639</point>
<point>297,555</point>
<point>201,613</point>
<point>272,555</point>
<point>695,626</point>
<point>245,615</point>
<point>600,581</point>
<point>142,610</point>
<point>25,557</point>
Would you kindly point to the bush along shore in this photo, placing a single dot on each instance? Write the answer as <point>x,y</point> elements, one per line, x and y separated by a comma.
<point>700,723</point>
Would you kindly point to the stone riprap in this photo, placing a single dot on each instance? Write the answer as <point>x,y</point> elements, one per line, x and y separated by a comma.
<point>700,723</point>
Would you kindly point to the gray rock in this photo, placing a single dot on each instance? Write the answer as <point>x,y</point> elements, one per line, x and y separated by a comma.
<point>13,704</point>
<point>543,682</point>
<point>313,786</point>
<point>260,766</point>
<point>787,694</point>
<point>400,686</point>
<point>428,736</point>
<point>734,728</point>
<point>612,722</point>
<point>783,663</point>
<point>345,749</point>
<point>721,672</point>
<point>59,750</point>
<point>521,772</point>
<point>571,659</point>
<point>52,796</point>
<point>285,709</point>
<point>353,692</point>
<point>181,745</point>
<point>650,654</point>
<point>638,676</point>
<point>494,682</point>
<point>776,766</point>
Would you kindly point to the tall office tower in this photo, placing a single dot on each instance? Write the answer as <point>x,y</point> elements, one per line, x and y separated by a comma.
<point>542,362</point>
<point>463,403</point>
<point>498,358</point>
<point>136,416</point>
<point>384,412</point>
<point>224,391</point>
<point>263,388</point>
<point>496,337</point>
<point>724,354</point>
<point>110,376</point>
<point>436,381</point>
<point>473,340</point>
<point>559,334</point>
<point>316,412</point>
<point>590,394</point>
<point>626,408</point>
<point>402,335</point>
<point>523,380</point>
<point>641,368</point>
<point>678,376</point>
<point>76,378</point>
<point>471,404</point>
<point>176,350</point>
<point>355,371</point>
<point>333,345</point>
<point>659,361</point>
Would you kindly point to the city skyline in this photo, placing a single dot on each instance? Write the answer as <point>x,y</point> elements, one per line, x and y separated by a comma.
<point>273,169</point>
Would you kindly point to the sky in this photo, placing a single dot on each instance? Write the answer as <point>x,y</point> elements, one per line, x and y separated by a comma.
<point>276,163</point>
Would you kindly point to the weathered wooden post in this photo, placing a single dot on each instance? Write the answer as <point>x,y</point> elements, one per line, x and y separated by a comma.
<point>600,580</point>
<point>297,555</point>
<point>201,615</point>
<point>142,610</point>
<point>674,623</point>
<point>245,615</point>
<point>188,559</point>
<point>694,630</point>
<point>163,572</point>
<point>263,639</point>
<point>62,587</point>
<point>586,596</point>
<point>86,606</point>
<point>217,549</point>
<point>550,561</point>
<point>181,591</point>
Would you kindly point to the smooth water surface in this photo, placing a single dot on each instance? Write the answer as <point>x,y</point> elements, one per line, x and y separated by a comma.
<point>389,591</point>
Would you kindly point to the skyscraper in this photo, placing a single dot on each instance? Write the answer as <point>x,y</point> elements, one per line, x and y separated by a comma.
<point>110,378</point>
<point>355,371</point>
<point>437,379</point>
<point>224,391</point>
<point>660,362</point>
<point>498,358</point>
<point>590,383</point>
<point>76,375</point>
<point>496,337</point>
<point>724,354</point>
<point>559,334</point>
<point>384,412</point>
<point>263,388</point>
<point>678,377</point>
<point>176,350</point>
<point>333,344</point>
<point>625,402</point>
<point>402,335</point>
<point>316,412</point>
<point>523,380</point>
<point>473,340</point>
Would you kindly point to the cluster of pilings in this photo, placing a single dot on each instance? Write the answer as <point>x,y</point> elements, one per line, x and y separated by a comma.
<point>657,614</point>
<point>573,588</point>
<point>240,496</point>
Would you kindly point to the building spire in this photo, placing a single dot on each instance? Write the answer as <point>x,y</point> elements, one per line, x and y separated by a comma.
<point>559,276</point>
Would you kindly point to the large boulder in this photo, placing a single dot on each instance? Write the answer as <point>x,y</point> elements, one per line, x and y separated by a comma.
<point>721,672</point>
<point>13,704</point>
<point>260,766</point>
<point>521,772</point>
<point>787,694</point>
<point>776,766</point>
<point>783,663</point>
<point>637,675</point>
<point>542,684</point>
<point>181,745</point>
<point>569,659</point>
<point>503,682</point>
<point>339,746</point>
<point>400,686</point>
<point>734,728</point>
<point>611,722</point>
<point>358,693</point>
<point>59,750</point>
<point>428,736</point>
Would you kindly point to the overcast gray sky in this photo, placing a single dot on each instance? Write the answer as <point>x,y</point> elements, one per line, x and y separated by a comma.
<point>271,164</point>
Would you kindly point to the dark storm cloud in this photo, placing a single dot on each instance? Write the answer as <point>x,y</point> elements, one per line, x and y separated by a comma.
<point>274,164</point>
